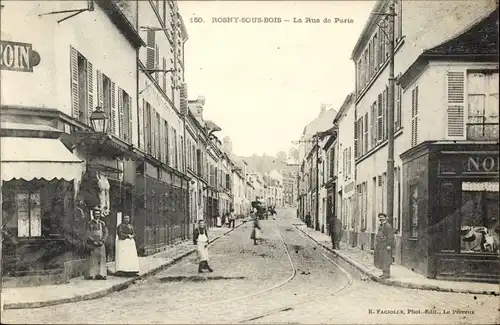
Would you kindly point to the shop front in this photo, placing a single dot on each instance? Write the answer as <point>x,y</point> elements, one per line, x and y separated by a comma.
<point>162,215</point>
<point>452,206</point>
<point>38,188</point>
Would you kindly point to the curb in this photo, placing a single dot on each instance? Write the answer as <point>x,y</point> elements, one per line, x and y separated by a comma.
<point>396,283</point>
<point>114,288</point>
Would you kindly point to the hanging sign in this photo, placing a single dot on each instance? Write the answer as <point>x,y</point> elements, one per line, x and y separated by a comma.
<point>15,56</point>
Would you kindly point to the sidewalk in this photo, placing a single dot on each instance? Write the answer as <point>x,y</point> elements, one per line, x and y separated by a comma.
<point>400,275</point>
<point>78,289</point>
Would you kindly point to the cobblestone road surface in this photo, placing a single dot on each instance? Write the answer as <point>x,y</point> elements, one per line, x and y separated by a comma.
<point>320,291</point>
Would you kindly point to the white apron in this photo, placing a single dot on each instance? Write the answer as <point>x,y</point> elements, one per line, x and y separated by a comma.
<point>202,247</point>
<point>126,256</point>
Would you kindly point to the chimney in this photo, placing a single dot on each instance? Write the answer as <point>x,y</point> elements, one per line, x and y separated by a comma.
<point>322,110</point>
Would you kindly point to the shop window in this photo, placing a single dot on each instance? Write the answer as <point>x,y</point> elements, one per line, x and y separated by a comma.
<point>29,216</point>
<point>482,114</point>
<point>479,227</point>
<point>414,210</point>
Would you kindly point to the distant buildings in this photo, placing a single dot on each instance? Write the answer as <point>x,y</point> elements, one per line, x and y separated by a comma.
<point>446,173</point>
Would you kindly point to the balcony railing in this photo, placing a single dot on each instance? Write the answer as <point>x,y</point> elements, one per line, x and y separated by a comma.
<point>482,131</point>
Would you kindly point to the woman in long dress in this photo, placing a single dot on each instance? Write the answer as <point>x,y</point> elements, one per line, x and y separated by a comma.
<point>256,231</point>
<point>127,262</point>
<point>97,233</point>
<point>200,239</point>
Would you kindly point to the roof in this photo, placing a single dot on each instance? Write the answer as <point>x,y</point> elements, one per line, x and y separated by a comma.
<point>347,102</point>
<point>480,39</point>
<point>478,43</point>
<point>321,123</point>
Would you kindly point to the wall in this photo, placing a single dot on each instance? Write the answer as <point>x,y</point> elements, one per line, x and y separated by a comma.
<point>49,83</point>
<point>432,101</point>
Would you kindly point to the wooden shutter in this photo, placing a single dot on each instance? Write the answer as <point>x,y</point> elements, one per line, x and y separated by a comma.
<point>379,119</point>
<point>113,108</point>
<point>157,63</point>
<point>158,136</point>
<point>456,104</point>
<point>140,123</point>
<point>356,139</point>
<point>161,138</point>
<point>121,131</point>
<point>385,99</point>
<point>183,99</point>
<point>150,50</point>
<point>75,104</point>
<point>90,88</point>
<point>100,91</point>
<point>164,75</point>
<point>129,107</point>
<point>414,117</point>
<point>152,128</point>
<point>366,132</point>
<point>397,122</point>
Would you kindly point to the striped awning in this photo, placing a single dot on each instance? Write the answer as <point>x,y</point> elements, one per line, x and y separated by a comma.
<point>37,158</point>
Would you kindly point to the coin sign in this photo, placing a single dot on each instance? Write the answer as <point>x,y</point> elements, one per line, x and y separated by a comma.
<point>16,56</point>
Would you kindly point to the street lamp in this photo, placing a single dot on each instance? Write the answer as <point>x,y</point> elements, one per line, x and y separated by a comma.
<point>99,120</point>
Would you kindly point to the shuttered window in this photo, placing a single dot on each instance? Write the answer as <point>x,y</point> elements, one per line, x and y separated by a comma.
<point>150,50</point>
<point>414,117</point>
<point>379,119</point>
<point>166,142</point>
<point>397,121</point>
<point>456,104</point>
<point>366,133</point>
<point>385,105</point>
<point>125,116</point>
<point>82,86</point>
<point>141,124</point>
<point>356,155</point>
<point>159,137</point>
<point>482,99</point>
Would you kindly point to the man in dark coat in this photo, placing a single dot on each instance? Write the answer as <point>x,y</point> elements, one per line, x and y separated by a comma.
<point>384,245</point>
<point>308,220</point>
<point>335,229</point>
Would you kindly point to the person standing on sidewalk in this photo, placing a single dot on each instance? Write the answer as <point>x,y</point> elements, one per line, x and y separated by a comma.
<point>126,260</point>
<point>200,239</point>
<point>308,220</point>
<point>384,244</point>
<point>232,219</point>
<point>96,236</point>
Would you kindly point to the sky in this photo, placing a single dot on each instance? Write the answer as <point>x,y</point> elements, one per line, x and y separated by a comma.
<point>263,82</point>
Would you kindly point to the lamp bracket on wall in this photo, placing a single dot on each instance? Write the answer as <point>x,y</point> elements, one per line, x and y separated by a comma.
<point>74,12</point>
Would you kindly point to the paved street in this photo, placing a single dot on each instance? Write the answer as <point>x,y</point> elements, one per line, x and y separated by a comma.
<point>264,284</point>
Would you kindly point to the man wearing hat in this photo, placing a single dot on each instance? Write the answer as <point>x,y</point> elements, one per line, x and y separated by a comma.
<point>96,235</point>
<point>384,245</point>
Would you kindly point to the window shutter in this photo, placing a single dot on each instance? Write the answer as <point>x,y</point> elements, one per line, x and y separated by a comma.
<point>157,63</point>
<point>140,123</point>
<point>379,120</point>
<point>152,127</point>
<point>356,139</point>
<point>150,50</point>
<point>113,108</point>
<point>161,138</point>
<point>397,122</point>
<point>164,75</point>
<point>414,117</point>
<point>385,98</point>
<point>366,132</point>
<point>121,123</point>
<point>99,89</point>
<point>90,88</point>
<point>456,104</point>
<point>75,105</point>
<point>129,107</point>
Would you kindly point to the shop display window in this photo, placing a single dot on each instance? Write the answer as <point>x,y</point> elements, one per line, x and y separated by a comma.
<point>479,216</point>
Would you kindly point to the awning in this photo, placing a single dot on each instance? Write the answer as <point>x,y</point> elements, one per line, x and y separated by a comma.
<point>29,158</point>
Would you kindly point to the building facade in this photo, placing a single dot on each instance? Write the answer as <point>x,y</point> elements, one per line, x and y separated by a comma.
<point>371,57</point>
<point>450,171</point>
<point>346,180</point>
<point>69,74</point>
